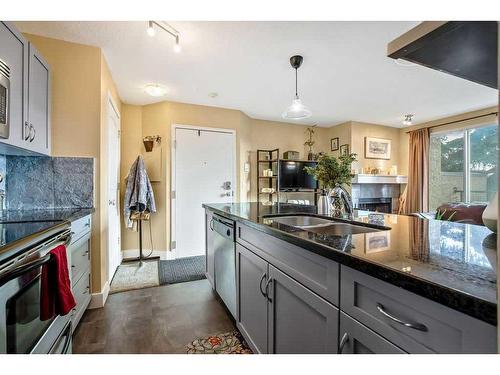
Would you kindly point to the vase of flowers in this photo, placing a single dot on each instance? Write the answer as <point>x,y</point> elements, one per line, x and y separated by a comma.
<point>334,174</point>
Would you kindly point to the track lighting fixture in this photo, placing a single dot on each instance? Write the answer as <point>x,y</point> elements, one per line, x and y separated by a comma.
<point>408,120</point>
<point>168,29</point>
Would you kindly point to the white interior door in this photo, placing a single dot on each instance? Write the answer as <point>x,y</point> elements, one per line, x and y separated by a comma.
<point>114,251</point>
<point>204,172</point>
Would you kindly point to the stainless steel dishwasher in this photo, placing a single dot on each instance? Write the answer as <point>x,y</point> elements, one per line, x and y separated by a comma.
<point>225,261</point>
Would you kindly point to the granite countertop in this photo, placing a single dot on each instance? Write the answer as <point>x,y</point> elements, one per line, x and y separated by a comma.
<point>451,263</point>
<point>62,214</point>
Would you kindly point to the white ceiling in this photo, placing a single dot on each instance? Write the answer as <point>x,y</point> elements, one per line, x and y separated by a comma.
<point>345,75</point>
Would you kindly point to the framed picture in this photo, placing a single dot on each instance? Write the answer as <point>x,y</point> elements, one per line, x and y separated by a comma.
<point>344,149</point>
<point>377,148</point>
<point>377,241</point>
<point>334,144</point>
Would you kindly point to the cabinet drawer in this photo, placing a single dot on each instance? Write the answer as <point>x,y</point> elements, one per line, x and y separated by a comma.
<point>430,327</point>
<point>81,291</point>
<point>80,257</point>
<point>317,273</point>
<point>80,227</point>
<point>355,338</point>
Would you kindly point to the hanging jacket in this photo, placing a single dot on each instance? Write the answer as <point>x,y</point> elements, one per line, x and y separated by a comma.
<point>139,195</point>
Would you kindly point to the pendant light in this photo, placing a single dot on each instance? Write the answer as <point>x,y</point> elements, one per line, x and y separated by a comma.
<point>297,111</point>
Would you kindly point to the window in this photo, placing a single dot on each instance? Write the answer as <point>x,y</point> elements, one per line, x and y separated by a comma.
<point>463,165</point>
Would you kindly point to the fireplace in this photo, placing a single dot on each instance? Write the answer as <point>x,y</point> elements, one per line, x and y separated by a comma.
<point>376,204</point>
<point>377,193</point>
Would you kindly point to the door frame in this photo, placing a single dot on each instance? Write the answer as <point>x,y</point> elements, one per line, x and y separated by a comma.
<point>171,253</point>
<point>111,106</point>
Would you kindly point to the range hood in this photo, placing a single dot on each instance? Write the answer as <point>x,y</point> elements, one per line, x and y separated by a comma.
<point>466,49</point>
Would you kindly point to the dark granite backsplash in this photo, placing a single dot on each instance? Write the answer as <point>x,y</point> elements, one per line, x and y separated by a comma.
<point>48,183</point>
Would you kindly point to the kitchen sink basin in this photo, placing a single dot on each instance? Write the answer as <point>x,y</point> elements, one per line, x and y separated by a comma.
<point>323,226</point>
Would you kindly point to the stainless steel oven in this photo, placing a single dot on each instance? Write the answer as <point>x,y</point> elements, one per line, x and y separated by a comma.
<point>22,329</point>
<point>4,99</point>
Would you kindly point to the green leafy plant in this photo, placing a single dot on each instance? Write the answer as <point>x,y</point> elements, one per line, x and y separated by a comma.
<point>331,171</point>
<point>440,215</point>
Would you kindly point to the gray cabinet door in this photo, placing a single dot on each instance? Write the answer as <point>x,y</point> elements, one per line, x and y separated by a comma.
<point>300,321</point>
<point>38,137</point>
<point>251,276</point>
<point>355,338</point>
<point>14,53</point>
<point>209,248</point>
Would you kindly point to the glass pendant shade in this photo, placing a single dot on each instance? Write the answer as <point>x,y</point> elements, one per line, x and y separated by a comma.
<point>297,111</point>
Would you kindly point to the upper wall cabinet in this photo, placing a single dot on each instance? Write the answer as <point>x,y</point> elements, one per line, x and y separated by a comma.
<point>28,95</point>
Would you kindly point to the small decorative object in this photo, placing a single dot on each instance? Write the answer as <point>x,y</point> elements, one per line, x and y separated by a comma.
<point>490,214</point>
<point>332,173</point>
<point>344,150</point>
<point>377,241</point>
<point>334,144</point>
<point>268,190</point>
<point>377,148</point>
<point>149,142</point>
<point>291,155</point>
<point>310,142</point>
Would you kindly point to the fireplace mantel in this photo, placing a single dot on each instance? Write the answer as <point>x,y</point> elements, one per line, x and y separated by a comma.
<point>379,179</point>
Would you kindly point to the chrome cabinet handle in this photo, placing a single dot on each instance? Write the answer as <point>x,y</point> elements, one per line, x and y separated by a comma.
<point>344,340</point>
<point>417,326</point>
<point>266,288</point>
<point>260,285</point>
<point>34,132</point>
<point>211,225</point>
<point>27,131</point>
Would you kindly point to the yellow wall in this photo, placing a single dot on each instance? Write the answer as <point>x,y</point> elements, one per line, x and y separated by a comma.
<point>354,133</point>
<point>342,132</point>
<point>360,131</point>
<point>80,82</point>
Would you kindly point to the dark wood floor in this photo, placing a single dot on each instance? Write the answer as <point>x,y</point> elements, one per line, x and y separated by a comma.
<point>154,320</point>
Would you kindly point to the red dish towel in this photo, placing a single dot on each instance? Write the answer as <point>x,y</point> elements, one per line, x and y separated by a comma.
<point>56,297</point>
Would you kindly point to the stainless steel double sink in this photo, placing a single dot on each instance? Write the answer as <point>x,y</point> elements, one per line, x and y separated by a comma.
<point>322,225</point>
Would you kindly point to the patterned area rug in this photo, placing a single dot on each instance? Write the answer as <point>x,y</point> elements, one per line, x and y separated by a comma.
<point>224,343</point>
<point>131,276</point>
<point>182,270</point>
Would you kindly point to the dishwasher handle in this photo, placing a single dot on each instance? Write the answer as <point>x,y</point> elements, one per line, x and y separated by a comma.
<point>224,228</point>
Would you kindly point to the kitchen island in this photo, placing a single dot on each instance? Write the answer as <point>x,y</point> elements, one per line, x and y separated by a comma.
<point>401,284</point>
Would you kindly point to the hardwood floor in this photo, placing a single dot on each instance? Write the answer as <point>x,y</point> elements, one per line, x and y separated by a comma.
<point>161,319</point>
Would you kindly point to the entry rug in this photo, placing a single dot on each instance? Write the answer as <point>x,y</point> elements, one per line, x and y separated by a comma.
<point>224,343</point>
<point>182,270</point>
<point>131,276</point>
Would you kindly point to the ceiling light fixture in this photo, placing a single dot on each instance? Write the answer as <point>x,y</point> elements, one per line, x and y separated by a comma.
<point>408,120</point>
<point>151,30</point>
<point>297,111</point>
<point>168,29</point>
<point>155,90</point>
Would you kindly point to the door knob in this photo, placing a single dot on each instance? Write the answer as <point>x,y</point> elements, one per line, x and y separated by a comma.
<point>226,185</point>
<point>112,202</point>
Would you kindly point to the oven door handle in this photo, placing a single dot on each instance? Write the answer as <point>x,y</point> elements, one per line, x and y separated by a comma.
<point>16,272</point>
<point>66,334</point>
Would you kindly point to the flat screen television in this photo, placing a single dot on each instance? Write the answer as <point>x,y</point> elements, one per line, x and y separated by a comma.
<point>293,177</point>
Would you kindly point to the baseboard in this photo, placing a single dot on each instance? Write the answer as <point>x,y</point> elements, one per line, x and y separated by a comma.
<point>133,253</point>
<point>98,300</point>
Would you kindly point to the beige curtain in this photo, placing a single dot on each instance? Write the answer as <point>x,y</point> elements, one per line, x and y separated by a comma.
<point>417,198</point>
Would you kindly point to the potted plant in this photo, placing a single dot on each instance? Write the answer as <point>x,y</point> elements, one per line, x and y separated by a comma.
<point>334,175</point>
